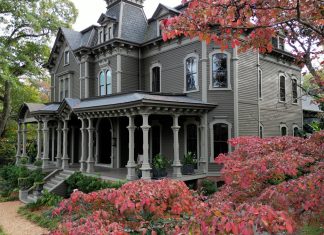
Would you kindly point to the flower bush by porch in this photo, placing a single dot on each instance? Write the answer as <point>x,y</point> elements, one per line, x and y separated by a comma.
<point>273,185</point>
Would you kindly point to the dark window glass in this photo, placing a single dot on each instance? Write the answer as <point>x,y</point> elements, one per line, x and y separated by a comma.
<point>102,83</point>
<point>105,35</point>
<point>283,131</point>
<point>281,43</point>
<point>219,70</point>
<point>156,79</point>
<point>294,91</point>
<point>261,132</point>
<point>191,74</point>
<point>282,89</point>
<point>156,141</point>
<point>220,138</point>
<point>260,84</point>
<point>100,37</point>
<point>296,131</point>
<point>66,81</point>
<point>192,139</point>
<point>109,84</point>
<point>275,42</point>
<point>109,33</point>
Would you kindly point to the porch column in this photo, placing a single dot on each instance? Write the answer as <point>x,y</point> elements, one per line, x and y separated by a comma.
<point>203,160</point>
<point>18,154</point>
<point>146,168</point>
<point>46,144</point>
<point>59,145</point>
<point>83,164</point>
<point>65,159</point>
<point>24,134</point>
<point>90,161</point>
<point>131,165</point>
<point>176,161</point>
<point>39,141</point>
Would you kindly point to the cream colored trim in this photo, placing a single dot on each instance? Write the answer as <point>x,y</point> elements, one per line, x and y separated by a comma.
<point>279,98</point>
<point>151,74</point>
<point>228,70</point>
<point>211,128</point>
<point>196,56</point>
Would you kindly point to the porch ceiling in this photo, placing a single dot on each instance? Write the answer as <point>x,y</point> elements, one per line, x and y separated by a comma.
<point>141,102</point>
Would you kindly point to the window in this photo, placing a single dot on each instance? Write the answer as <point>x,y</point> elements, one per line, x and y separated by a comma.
<point>156,79</point>
<point>159,29</point>
<point>281,43</point>
<point>275,42</point>
<point>66,57</point>
<point>294,91</point>
<point>296,131</point>
<point>220,134</point>
<point>261,131</point>
<point>61,89</point>
<point>219,70</point>
<point>100,37</point>
<point>105,82</point>
<point>282,88</point>
<point>191,74</point>
<point>283,130</point>
<point>66,88</point>
<point>260,84</point>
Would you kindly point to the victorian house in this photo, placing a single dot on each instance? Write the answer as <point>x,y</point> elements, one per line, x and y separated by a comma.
<point>120,95</point>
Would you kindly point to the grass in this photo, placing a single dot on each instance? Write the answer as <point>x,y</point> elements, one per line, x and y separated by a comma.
<point>312,230</point>
<point>1,231</point>
<point>41,217</point>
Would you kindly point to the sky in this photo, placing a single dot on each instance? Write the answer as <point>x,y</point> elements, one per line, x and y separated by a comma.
<point>90,10</point>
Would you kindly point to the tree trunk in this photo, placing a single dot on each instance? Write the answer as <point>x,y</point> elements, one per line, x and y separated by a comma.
<point>5,115</point>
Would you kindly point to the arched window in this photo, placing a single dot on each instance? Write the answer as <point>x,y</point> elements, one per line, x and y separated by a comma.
<point>191,74</point>
<point>283,130</point>
<point>294,91</point>
<point>105,82</point>
<point>220,70</point>
<point>296,131</point>
<point>155,78</point>
<point>282,88</point>
<point>109,82</point>
<point>220,134</point>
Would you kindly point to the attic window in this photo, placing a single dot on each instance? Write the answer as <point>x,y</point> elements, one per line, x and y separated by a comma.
<point>66,57</point>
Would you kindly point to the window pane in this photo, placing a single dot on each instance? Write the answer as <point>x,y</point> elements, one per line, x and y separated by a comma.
<point>296,131</point>
<point>102,79</point>
<point>282,88</point>
<point>156,79</point>
<point>294,91</point>
<point>220,138</point>
<point>219,70</point>
<point>191,74</point>
<point>109,80</point>
<point>102,90</point>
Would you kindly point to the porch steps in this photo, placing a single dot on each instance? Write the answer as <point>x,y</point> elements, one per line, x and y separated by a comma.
<point>57,180</point>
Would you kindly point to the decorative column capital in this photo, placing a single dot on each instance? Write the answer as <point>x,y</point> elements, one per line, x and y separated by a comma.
<point>175,128</point>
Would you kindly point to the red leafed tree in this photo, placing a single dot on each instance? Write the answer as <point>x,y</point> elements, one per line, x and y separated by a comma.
<point>225,21</point>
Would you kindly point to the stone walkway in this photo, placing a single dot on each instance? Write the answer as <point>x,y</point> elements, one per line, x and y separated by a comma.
<point>13,224</point>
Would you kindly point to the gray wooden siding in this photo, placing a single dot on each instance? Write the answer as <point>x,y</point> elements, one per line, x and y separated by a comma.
<point>248,93</point>
<point>129,77</point>
<point>273,113</point>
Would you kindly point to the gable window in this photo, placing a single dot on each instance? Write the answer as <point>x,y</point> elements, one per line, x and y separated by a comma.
<point>283,130</point>
<point>220,73</point>
<point>294,91</point>
<point>105,34</point>
<point>220,134</point>
<point>64,87</point>
<point>282,88</point>
<point>156,78</point>
<point>66,57</point>
<point>260,84</point>
<point>105,82</point>
<point>100,37</point>
<point>191,74</point>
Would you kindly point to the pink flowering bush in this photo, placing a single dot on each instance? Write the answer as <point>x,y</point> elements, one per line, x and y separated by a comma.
<point>272,185</point>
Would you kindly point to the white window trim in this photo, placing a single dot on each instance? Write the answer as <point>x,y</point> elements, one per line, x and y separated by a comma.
<point>229,58</point>
<point>292,94</point>
<point>151,75</point>
<point>211,129</point>
<point>260,86</point>
<point>281,126</point>
<point>195,55</point>
<point>186,123</point>
<point>293,129</point>
<point>279,98</point>
<point>66,51</point>
<point>104,70</point>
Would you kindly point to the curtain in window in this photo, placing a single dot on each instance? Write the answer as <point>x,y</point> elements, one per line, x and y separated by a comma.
<point>191,74</point>
<point>156,79</point>
<point>220,138</point>
<point>219,70</point>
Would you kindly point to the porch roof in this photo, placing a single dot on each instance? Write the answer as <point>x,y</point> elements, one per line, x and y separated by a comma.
<point>141,100</point>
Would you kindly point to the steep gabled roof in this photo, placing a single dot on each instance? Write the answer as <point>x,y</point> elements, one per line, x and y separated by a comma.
<point>162,7</point>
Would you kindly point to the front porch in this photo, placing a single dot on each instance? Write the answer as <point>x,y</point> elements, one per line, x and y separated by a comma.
<point>109,136</point>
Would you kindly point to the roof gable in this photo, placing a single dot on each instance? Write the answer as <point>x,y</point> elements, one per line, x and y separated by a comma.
<point>163,10</point>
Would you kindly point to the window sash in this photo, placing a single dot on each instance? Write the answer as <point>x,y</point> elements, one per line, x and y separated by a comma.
<point>294,91</point>
<point>191,74</point>
<point>221,136</point>
<point>282,88</point>
<point>219,70</point>
<point>156,79</point>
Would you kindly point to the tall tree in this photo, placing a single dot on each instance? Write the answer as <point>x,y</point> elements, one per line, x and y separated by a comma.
<point>26,29</point>
<point>225,21</point>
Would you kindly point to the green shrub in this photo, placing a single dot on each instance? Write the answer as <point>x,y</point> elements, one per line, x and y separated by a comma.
<point>88,184</point>
<point>208,187</point>
<point>23,160</point>
<point>38,163</point>
<point>7,152</point>
<point>160,162</point>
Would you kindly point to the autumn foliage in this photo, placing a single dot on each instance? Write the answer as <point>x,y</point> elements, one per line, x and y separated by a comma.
<point>272,185</point>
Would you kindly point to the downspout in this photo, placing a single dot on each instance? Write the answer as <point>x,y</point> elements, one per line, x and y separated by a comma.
<point>236,106</point>
<point>258,92</point>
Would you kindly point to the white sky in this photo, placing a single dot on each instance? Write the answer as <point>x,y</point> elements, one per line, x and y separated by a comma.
<point>90,11</point>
